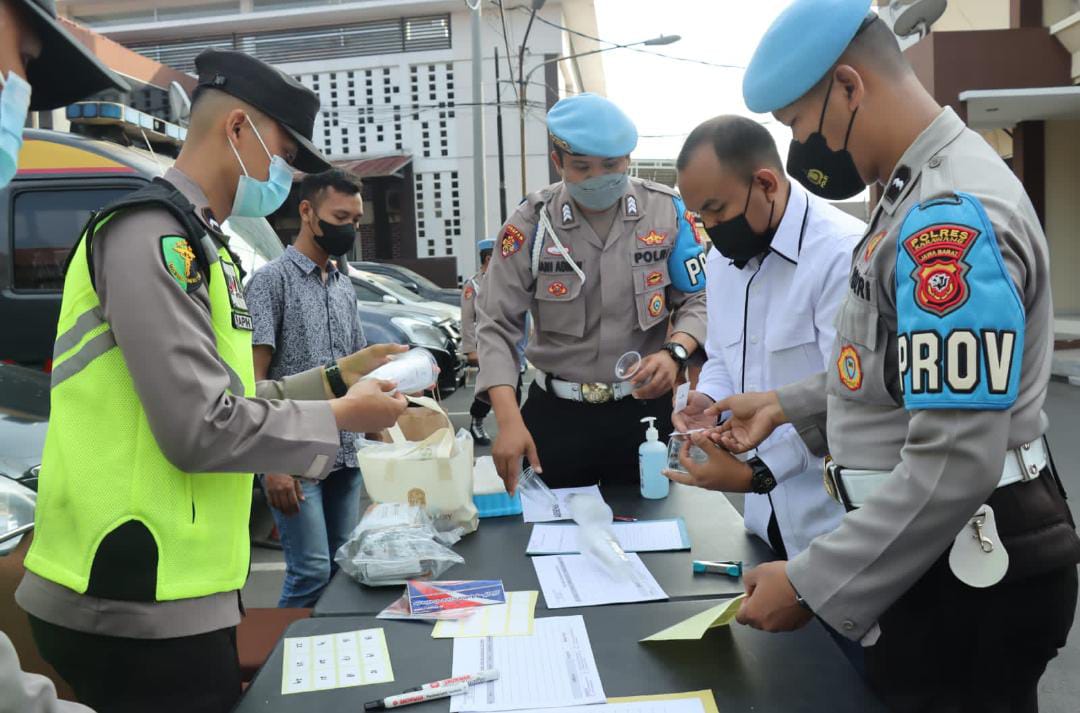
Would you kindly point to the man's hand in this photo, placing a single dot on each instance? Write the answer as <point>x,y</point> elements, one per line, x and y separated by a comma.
<point>284,492</point>
<point>359,364</point>
<point>473,358</point>
<point>693,416</point>
<point>770,603</point>
<point>722,472</point>
<point>368,406</point>
<point>753,417</point>
<point>513,442</point>
<point>655,376</point>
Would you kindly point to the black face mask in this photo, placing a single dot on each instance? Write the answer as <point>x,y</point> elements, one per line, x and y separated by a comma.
<point>824,172</point>
<point>737,241</point>
<point>336,239</point>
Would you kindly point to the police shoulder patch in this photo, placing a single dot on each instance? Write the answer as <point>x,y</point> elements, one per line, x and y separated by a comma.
<point>686,262</point>
<point>960,319</point>
<point>179,259</point>
<point>511,240</point>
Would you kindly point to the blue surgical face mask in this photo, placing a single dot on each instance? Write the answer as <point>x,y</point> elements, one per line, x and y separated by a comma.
<point>599,192</point>
<point>14,105</point>
<point>255,198</point>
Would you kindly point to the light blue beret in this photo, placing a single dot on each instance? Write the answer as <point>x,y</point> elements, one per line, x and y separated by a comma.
<point>483,245</point>
<point>591,125</point>
<point>798,49</point>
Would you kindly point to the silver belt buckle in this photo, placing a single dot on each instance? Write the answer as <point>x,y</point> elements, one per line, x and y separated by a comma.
<point>1027,471</point>
<point>597,393</point>
<point>830,476</point>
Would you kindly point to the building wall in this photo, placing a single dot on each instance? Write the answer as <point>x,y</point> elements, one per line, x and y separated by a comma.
<point>1063,212</point>
<point>974,15</point>
<point>421,104</point>
<point>1057,10</point>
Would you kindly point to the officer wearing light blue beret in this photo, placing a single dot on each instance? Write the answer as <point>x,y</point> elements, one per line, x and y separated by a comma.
<point>606,264</point>
<point>955,565</point>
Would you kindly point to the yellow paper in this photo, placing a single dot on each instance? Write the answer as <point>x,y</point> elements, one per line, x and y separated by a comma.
<point>708,701</point>
<point>696,626</point>
<point>515,618</point>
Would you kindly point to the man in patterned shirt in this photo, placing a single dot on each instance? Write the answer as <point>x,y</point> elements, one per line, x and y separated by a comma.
<point>304,311</point>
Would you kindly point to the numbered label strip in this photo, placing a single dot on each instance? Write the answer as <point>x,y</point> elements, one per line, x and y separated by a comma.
<point>319,663</point>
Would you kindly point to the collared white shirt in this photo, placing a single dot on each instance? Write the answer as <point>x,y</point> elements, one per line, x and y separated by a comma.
<point>771,324</point>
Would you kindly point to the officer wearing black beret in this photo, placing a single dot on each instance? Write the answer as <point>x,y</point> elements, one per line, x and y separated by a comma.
<point>157,423</point>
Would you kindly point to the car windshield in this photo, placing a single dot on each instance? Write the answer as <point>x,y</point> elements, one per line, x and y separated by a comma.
<point>392,286</point>
<point>253,241</point>
<point>416,277</point>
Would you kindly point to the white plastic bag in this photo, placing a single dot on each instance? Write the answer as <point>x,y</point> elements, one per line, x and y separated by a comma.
<point>395,543</point>
<point>435,473</point>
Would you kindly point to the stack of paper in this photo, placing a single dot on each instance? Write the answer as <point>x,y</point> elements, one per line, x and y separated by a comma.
<point>695,702</point>
<point>515,618</point>
<point>578,581</point>
<point>644,536</point>
<point>553,667</point>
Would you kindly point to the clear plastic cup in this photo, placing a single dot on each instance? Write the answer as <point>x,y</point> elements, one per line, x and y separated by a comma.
<point>414,371</point>
<point>531,486</point>
<point>627,366</point>
<point>675,444</point>
<point>596,535</point>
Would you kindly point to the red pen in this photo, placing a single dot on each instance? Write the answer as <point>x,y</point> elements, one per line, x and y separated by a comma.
<point>624,518</point>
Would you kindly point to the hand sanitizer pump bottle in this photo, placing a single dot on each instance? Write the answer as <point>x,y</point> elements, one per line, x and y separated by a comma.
<point>652,458</point>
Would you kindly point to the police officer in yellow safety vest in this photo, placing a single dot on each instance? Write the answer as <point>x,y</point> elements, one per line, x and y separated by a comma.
<point>606,264</point>
<point>955,565</point>
<point>157,424</point>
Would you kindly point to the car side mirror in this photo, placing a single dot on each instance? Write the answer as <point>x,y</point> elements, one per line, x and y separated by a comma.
<point>390,299</point>
<point>413,287</point>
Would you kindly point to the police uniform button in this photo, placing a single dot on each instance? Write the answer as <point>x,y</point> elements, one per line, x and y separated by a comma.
<point>848,625</point>
<point>753,340</point>
<point>935,162</point>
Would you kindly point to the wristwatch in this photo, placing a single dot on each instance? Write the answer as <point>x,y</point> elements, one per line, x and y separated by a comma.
<point>333,377</point>
<point>678,352</point>
<point>762,481</point>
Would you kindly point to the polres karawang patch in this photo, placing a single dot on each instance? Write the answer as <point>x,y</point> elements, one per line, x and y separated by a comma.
<point>960,318</point>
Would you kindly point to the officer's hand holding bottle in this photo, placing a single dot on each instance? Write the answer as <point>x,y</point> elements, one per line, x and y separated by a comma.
<point>655,377</point>
<point>693,416</point>
<point>370,405</point>
<point>359,364</point>
<point>514,439</point>
<point>754,416</point>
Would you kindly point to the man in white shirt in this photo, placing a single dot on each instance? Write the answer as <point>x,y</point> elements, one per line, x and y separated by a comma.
<point>774,283</point>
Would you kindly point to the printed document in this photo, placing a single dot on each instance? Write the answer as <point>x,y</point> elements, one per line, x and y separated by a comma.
<point>579,581</point>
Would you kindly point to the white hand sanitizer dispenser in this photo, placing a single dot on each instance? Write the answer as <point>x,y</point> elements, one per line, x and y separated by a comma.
<point>652,458</point>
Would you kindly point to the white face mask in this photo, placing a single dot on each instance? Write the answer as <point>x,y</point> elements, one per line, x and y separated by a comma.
<point>255,198</point>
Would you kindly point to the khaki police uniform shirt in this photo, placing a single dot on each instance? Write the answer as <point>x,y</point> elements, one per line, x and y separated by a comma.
<point>168,343</point>
<point>581,329</point>
<point>944,463</point>
<point>469,295</point>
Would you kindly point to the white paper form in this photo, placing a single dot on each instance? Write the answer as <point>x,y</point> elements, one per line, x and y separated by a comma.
<point>644,536</point>
<point>552,668</point>
<point>319,663</point>
<point>673,705</point>
<point>536,510</point>
<point>515,618</point>
<point>578,581</point>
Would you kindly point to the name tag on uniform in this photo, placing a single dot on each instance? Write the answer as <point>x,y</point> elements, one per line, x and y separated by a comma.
<point>241,318</point>
<point>243,321</point>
